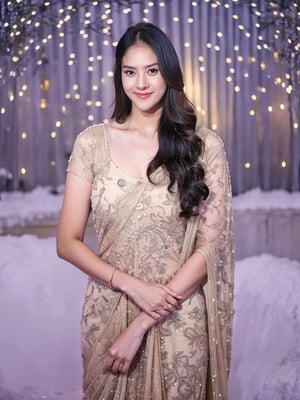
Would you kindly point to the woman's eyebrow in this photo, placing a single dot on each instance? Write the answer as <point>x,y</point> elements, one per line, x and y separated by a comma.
<point>146,66</point>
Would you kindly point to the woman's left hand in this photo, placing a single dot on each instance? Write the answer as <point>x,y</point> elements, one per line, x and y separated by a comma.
<point>124,349</point>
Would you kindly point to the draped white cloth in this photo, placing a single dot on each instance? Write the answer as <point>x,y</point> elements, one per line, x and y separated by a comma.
<point>39,337</point>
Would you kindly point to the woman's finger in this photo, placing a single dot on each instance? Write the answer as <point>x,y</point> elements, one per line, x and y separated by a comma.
<point>116,365</point>
<point>109,361</point>
<point>112,360</point>
<point>125,367</point>
<point>173,293</point>
<point>155,315</point>
<point>173,302</point>
<point>121,366</point>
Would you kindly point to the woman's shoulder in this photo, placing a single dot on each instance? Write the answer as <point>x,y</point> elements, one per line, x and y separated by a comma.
<point>91,133</point>
<point>210,138</point>
<point>101,131</point>
<point>213,145</point>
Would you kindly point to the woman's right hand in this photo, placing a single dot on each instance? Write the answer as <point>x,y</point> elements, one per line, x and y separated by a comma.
<point>153,298</point>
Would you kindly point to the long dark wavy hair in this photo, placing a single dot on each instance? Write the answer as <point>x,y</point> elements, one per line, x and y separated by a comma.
<point>179,147</point>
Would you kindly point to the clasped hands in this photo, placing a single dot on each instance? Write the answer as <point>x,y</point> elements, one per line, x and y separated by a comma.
<point>154,299</point>
<point>157,301</point>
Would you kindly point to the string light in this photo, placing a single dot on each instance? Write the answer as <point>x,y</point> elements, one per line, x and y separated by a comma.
<point>237,65</point>
<point>43,103</point>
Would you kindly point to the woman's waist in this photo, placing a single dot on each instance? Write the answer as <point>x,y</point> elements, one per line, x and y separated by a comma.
<point>149,266</point>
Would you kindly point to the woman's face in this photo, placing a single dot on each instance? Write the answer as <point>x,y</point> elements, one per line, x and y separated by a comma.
<point>141,78</point>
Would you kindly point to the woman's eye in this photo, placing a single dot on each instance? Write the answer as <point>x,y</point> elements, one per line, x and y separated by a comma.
<point>153,71</point>
<point>129,73</point>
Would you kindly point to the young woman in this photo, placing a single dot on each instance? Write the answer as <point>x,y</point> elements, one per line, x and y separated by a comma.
<point>159,190</point>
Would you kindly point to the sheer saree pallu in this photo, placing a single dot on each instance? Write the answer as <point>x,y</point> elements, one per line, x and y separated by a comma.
<point>140,232</point>
<point>211,234</point>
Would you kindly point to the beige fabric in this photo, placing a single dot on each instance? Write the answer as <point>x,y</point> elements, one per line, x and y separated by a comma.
<point>214,240</point>
<point>140,232</point>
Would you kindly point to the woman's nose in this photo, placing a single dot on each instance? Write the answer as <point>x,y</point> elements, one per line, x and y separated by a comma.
<point>142,81</point>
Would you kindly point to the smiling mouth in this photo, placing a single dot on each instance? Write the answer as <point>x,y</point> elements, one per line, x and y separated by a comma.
<point>143,95</point>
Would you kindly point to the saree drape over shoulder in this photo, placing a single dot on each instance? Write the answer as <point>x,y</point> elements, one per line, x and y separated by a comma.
<point>187,356</point>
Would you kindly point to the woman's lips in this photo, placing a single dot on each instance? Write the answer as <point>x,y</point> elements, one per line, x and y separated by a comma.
<point>143,95</point>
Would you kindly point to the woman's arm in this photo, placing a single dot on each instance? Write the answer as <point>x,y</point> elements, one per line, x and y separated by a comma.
<point>125,347</point>
<point>71,228</point>
<point>185,282</point>
<point>150,297</point>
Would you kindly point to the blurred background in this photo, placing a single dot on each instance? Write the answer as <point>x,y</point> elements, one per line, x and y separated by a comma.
<point>241,63</point>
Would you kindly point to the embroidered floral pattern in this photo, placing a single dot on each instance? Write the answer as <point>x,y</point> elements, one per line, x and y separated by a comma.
<point>139,231</point>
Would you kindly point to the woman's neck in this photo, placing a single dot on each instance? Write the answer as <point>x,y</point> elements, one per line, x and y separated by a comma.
<point>146,124</point>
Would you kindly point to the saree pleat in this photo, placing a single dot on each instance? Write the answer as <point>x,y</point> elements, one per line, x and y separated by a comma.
<point>154,384</point>
<point>100,383</point>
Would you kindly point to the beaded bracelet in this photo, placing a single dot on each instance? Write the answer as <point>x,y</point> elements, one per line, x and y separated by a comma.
<point>111,278</point>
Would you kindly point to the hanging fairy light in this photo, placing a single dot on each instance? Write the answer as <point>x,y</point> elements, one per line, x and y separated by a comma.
<point>282,18</point>
<point>25,25</point>
<point>25,33</point>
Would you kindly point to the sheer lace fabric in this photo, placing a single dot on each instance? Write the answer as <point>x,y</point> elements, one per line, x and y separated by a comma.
<point>139,231</point>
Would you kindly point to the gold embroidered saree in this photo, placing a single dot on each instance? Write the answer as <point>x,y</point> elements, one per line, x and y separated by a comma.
<point>139,231</point>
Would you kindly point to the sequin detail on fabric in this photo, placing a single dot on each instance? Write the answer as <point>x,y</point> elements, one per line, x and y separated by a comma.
<point>139,231</point>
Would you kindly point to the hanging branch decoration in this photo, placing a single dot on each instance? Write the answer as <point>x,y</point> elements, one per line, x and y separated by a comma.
<point>280,19</point>
<point>22,30</point>
<point>26,26</point>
